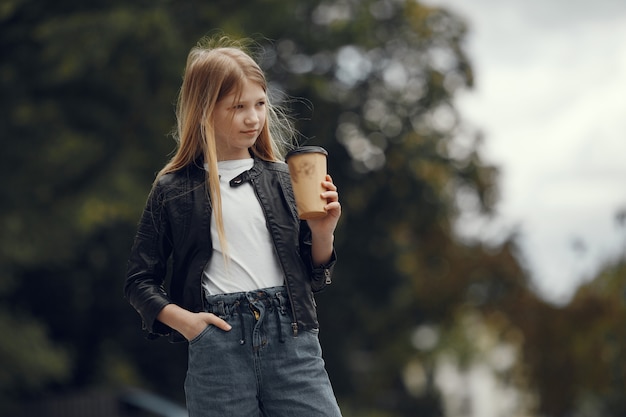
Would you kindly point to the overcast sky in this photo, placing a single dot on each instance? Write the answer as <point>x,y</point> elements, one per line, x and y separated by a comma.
<point>550,97</point>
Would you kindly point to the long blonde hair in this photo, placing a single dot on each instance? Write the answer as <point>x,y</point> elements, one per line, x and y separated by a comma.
<point>217,67</point>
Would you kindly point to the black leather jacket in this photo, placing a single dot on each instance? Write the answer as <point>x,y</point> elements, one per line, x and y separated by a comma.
<point>176,224</point>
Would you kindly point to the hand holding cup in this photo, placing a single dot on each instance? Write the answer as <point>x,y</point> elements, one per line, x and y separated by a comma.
<point>307,168</point>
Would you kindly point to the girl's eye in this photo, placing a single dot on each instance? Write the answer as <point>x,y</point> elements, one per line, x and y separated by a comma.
<point>260,103</point>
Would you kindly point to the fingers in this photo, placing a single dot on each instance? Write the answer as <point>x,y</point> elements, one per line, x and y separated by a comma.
<point>331,194</point>
<point>329,184</point>
<point>210,318</point>
<point>333,206</point>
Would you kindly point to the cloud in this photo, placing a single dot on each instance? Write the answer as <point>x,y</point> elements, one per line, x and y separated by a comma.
<point>551,78</point>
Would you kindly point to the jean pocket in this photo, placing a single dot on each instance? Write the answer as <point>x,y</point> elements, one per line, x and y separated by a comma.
<point>208,329</point>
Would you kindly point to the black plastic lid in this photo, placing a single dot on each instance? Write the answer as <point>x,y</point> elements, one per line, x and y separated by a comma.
<point>306,149</point>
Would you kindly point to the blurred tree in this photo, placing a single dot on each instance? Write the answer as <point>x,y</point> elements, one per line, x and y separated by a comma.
<point>578,353</point>
<point>86,93</point>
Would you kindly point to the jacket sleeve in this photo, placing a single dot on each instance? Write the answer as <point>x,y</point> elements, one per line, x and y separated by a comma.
<point>321,276</point>
<point>147,264</point>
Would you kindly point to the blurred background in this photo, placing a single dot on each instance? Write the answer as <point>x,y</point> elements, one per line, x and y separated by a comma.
<point>441,304</point>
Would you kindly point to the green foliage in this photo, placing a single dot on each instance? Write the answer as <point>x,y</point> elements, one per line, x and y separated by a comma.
<point>30,359</point>
<point>594,362</point>
<point>78,157</point>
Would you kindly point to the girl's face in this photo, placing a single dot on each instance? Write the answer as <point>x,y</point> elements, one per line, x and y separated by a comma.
<point>238,122</point>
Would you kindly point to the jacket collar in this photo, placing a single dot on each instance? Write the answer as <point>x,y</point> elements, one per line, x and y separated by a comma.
<point>246,176</point>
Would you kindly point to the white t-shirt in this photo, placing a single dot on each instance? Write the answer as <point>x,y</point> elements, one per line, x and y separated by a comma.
<point>252,262</point>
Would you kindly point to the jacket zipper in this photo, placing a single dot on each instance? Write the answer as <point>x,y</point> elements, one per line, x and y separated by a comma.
<point>294,325</point>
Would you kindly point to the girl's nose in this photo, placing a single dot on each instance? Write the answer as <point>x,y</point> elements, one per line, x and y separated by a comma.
<point>251,118</point>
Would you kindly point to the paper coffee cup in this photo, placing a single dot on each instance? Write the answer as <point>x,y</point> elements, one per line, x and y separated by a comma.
<point>307,168</point>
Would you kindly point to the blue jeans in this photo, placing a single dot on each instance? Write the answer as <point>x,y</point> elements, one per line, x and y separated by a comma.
<point>258,368</point>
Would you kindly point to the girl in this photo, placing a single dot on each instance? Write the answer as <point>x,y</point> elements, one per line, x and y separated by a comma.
<point>244,267</point>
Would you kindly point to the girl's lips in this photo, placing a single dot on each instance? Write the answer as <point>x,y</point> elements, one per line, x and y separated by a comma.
<point>250,132</point>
